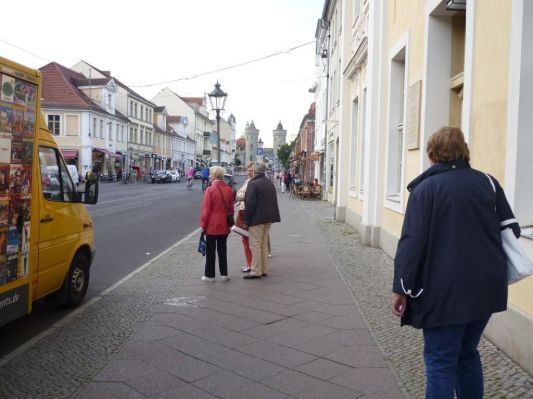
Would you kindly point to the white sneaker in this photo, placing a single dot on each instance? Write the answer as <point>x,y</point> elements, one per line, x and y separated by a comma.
<point>210,279</point>
<point>225,278</point>
<point>270,255</point>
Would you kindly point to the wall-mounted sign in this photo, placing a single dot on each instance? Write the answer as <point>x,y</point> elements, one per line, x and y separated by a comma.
<point>412,126</point>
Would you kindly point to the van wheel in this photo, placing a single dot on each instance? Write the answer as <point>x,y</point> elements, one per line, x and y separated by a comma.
<point>77,280</point>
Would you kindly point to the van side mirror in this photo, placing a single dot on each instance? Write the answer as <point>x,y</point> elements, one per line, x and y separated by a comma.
<point>91,192</point>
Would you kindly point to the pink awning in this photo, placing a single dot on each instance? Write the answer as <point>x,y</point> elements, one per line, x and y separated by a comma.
<point>70,154</point>
<point>110,153</point>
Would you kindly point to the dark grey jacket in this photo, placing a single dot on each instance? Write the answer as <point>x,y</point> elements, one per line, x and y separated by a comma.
<point>450,260</point>
<point>261,202</point>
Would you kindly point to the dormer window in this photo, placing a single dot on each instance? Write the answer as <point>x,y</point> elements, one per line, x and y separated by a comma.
<point>109,99</point>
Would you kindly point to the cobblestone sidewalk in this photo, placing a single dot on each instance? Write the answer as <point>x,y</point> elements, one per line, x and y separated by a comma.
<point>368,274</point>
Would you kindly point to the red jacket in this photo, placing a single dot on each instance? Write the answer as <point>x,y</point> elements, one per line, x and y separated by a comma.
<point>213,219</point>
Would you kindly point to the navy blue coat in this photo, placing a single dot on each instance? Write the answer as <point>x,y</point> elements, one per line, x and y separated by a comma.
<point>450,260</point>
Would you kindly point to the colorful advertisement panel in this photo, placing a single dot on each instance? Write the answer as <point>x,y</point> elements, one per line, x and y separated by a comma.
<point>17,135</point>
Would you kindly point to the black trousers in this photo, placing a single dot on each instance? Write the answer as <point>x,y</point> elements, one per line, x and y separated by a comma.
<point>217,243</point>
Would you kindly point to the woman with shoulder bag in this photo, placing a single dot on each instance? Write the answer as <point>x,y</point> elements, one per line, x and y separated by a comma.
<point>217,205</point>
<point>450,270</point>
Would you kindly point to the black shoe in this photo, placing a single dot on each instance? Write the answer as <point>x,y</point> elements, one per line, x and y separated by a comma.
<point>264,275</point>
<point>250,276</point>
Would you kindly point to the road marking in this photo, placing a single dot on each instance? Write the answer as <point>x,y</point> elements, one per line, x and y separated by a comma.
<point>76,312</point>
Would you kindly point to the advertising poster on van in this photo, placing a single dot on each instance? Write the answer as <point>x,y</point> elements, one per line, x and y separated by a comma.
<point>17,135</point>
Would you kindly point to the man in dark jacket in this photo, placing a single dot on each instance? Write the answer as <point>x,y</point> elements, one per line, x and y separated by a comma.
<point>260,212</point>
<point>450,268</point>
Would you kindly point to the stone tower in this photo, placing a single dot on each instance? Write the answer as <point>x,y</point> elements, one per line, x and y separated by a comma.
<point>279,138</point>
<point>252,135</point>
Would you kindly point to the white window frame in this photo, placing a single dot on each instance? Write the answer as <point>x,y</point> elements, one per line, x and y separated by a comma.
<point>354,138</point>
<point>395,201</point>
<point>54,123</point>
<point>77,116</point>
<point>362,145</point>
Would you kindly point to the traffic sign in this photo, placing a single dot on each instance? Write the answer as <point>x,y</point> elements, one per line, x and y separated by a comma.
<point>259,151</point>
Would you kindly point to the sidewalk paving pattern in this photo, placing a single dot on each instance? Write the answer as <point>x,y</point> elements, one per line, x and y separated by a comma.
<point>318,326</point>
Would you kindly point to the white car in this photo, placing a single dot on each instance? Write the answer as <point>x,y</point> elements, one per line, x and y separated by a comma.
<point>175,175</point>
<point>74,174</point>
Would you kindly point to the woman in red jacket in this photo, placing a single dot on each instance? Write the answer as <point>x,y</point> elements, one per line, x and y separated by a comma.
<point>216,206</point>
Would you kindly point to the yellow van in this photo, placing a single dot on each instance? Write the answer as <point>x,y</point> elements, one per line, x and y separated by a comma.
<point>46,234</point>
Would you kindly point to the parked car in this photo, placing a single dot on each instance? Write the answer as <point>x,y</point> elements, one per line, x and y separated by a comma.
<point>175,175</point>
<point>162,176</point>
<point>73,170</point>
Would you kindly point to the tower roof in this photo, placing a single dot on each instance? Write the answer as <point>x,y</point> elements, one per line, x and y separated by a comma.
<point>280,126</point>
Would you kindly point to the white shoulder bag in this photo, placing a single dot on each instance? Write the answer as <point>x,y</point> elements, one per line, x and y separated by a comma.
<point>519,266</point>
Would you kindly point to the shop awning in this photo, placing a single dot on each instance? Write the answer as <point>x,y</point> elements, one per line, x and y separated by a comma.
<point>70,154</point>
<point>110,153</point>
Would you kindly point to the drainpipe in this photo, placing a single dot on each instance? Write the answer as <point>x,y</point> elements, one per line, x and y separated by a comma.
<point>326,163</point>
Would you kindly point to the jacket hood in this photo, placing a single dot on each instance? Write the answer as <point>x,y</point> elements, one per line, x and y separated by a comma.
<point>436,169</point>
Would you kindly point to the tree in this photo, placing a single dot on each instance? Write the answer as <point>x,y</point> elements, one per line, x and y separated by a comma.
<point>284,152</point>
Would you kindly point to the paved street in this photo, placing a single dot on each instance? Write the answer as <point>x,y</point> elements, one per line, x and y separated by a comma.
<point>319,326</point>
<point>133,224</point>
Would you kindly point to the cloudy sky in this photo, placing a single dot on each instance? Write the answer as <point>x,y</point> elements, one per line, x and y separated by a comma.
<point>156,44</point>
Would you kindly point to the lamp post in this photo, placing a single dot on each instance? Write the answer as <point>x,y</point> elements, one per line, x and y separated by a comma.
<point>217,98</point>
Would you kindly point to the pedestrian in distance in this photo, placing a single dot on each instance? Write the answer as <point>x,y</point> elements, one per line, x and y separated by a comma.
<point>260,212</point>
<point>190,176</point>
<point>216,205</point>
<point>205,178</point>
<point>450,268</point>
<point>240,196</point>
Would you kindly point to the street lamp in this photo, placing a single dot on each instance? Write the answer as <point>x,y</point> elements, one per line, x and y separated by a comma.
<point>217,98</point>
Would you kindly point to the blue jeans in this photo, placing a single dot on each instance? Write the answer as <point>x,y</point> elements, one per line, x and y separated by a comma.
<point>453,362</point>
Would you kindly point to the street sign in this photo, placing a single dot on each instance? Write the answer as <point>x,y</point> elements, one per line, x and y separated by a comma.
<point>259,151</point>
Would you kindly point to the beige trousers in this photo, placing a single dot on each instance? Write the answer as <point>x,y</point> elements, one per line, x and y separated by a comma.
<point>259,247</point>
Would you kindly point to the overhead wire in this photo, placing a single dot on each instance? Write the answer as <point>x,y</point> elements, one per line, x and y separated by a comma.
<point>226,68</point>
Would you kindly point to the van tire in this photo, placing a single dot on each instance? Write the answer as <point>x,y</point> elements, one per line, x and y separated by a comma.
<point>77,280</point>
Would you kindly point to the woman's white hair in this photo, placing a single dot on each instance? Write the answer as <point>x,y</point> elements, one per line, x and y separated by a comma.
<point>217,172</point>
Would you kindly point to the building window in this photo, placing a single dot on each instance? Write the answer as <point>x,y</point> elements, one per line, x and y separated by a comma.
<point>362,146</point>
<point>101,129</point>
<point>339,79</point>
<point>109,100</point>
<point>131,134</point>
<point>353,145</point>
<point>142,112</point>
<point>131,108</point>
<point>94,128</point>
<point>72,125</point>
<point>396,125</point>
<point>53,124</point>
<point>135,109</point>
<point>110,130</point>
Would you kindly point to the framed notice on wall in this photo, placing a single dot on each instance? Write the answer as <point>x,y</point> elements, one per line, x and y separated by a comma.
<point>412,127</point>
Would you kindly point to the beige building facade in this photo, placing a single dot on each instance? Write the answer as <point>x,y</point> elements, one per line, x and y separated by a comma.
<point>409,67</point>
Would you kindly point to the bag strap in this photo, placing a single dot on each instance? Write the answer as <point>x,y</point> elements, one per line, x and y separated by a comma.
<point>491,182</point>
<point>505,222</point>
<point>223,200</point>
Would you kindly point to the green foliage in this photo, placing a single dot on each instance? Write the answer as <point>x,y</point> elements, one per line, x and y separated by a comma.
<point>284,153</point>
